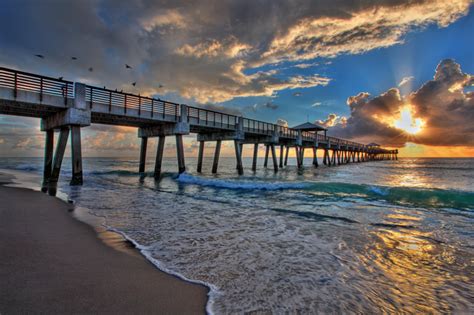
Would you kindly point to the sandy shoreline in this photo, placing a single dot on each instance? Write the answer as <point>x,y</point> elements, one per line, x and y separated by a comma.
<point>53,263</point>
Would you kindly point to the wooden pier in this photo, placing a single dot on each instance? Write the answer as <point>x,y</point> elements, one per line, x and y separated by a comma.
<point>66,107</point>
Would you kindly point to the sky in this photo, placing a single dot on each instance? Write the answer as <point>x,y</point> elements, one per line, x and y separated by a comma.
<point>393,72</point>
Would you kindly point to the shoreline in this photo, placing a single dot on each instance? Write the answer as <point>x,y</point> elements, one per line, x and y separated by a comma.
<point>52,249</point>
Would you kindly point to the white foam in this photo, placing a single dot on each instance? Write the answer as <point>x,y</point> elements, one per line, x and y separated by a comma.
<point>238,184</point>
<point>144,250</point>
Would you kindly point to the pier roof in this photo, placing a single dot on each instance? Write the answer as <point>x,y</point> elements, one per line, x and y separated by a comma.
<point>307,126</point>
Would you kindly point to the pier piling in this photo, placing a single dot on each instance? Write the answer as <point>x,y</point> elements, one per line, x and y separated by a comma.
<point>58,159</point>
<point>48,159</point>
<point>217,153</point>
<point>200,156</point>
<point>143,147</point>
<point>255,156</point>
<point>76,155</point>
<point>159,156</point>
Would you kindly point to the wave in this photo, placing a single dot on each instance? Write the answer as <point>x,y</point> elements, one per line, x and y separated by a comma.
<point>25,167</point>
<point>422,197</point>
<point>238,184</point>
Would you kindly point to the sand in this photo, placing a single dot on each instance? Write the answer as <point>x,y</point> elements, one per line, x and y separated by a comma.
<point>53,263</point>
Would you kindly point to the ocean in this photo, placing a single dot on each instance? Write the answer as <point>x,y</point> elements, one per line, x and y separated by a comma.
<point>386,236</point>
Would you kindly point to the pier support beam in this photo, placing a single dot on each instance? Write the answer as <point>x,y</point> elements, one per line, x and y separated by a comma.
<point>217,153</point>
<point>315,157</point>
<point>159,156</point>
<point>238,155</point>
<point>180,152</point>
<point>286,155</point>
<point>141,167</point>
<point>58,159</point>
<point>255,156</point>
<point>265,162</point>
<point>298,157</point>
<point>274,158</point>
<point>282,150</point>
<point>200,156</point>
<point>48,159</point>
<point>76,156</point>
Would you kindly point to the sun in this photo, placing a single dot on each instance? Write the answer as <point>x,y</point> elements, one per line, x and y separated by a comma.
<point>407,122</point>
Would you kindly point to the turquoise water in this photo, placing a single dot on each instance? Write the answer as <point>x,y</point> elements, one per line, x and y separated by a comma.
<point>391,236</point>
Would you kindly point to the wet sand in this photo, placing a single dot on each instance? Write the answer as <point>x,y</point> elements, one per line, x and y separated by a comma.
<point>53,263</point>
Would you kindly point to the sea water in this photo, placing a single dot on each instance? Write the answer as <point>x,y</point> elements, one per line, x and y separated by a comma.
<point>386,236</point>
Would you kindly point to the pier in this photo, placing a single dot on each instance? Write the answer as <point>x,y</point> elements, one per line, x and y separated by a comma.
<point>66,107</point>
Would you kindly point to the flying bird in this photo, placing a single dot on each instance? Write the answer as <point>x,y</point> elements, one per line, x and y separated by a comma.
<point>134,83</point>
<point>91,69</point>
<point>127,66</point>
<point>160,86</point>
<point>74,58</point>
<point>40,56</point>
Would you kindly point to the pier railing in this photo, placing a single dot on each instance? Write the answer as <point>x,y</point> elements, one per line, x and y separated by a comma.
<point>123,102</point>
<point>42,85</point>
<point>210,118</point>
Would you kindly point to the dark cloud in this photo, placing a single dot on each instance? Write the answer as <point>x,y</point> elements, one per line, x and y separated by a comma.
<point>201,49</point>
<point>446,109</point>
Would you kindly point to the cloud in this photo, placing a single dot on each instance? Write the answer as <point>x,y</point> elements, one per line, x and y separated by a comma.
<point>204,51</point>
<point>405,80</point>
<point>282,122</point>
<point>315,104</point>
<point>440,109</point>
<point>360,30</point>
<point>332,120</point>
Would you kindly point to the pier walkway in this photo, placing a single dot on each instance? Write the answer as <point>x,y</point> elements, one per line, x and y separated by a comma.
<point>67,106</point>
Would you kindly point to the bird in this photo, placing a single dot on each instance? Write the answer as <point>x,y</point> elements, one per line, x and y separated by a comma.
<point>105,87</point>
<point>40,56</point>
<point>127,66</point>
<point>160,86</point>
<point>91,69</point>
<point>60,78</point>
<point>134,83</point>
<point>74,58</point>
<point>121,91</point>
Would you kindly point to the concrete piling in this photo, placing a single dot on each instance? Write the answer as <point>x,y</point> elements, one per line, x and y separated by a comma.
<point>255,156</point>
<point>200,156</point>
<point>217,153</point>
<point>143,147</point>
<point>76,155</point>
<point>180,153</point>
<point>58,159</point>
<point>159,156</point>
<point>48,159</point>
<point>238,155</point>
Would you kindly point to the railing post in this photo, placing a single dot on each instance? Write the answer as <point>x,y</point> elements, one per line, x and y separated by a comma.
<point>15,93</point>
<point>139,105</point>
<point>110,101</point>
<point>152,103</point>
<point>125,105</point>
<point>41,90</point>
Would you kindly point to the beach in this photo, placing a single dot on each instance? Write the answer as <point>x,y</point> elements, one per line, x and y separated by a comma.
<point>52,263</point>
